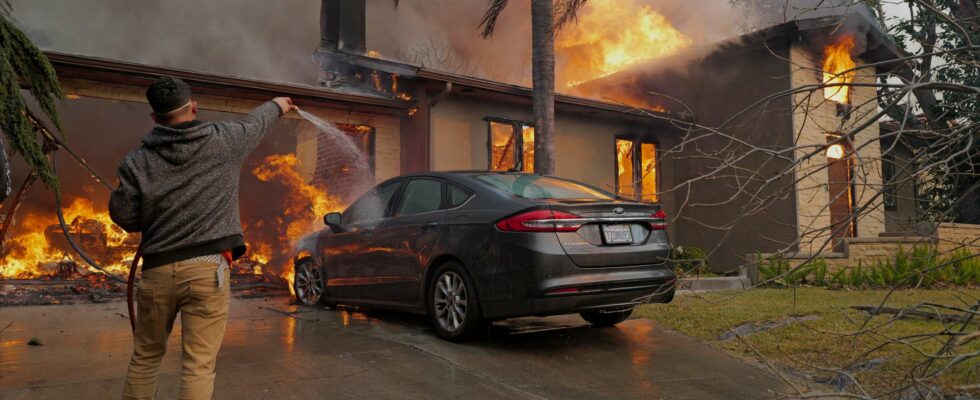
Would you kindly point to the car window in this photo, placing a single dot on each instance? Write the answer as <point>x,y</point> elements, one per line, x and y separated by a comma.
<point>543,187</point>
<point>457,196</point>
<point>371,206</point>
<point>420,196</point>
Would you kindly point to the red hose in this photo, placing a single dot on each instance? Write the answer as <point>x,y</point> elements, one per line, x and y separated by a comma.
<point>129,287</point>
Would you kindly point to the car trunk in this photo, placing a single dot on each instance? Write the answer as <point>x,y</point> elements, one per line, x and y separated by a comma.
<point>614,233</point>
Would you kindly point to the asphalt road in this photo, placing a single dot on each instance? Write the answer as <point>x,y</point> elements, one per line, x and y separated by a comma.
<point>276,351</point>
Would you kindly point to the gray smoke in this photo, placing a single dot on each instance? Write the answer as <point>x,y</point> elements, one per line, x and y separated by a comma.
<point>275,40</point>
<point>270,40</point>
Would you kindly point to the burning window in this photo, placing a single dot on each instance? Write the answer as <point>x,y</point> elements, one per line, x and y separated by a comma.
<point>510,142</point>
<point>838,70</point>
<point>636,169</point>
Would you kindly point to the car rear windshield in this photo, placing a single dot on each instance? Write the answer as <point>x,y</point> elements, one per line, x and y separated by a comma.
<point>543,187</point>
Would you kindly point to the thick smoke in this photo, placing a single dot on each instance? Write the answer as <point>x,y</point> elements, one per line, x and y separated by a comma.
<point>275,40</point>
<point>271,40</point>
<point>444,34</point>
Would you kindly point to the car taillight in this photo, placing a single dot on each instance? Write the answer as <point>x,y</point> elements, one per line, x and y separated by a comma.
<point>540,221</point>
<point>661,222</point>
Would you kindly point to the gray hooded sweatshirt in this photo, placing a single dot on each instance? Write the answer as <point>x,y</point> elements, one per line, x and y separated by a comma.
<point>180,189</point>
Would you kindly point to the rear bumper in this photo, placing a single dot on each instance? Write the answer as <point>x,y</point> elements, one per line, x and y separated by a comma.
<point>606,295</point>
<point>518,274</point>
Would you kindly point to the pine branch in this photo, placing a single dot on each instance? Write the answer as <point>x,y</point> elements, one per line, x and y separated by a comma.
<point>23,65</point>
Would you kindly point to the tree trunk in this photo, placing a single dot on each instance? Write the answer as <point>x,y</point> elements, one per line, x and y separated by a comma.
<point>543,78</point>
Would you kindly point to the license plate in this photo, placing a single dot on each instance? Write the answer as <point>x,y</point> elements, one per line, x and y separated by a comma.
<point>617,234</point>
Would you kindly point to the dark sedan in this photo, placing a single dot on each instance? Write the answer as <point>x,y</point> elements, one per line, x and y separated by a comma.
<point>466,248</point>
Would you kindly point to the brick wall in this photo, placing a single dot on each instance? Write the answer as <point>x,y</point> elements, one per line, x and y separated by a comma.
<point>344,172</point>
<point>813,119</point>
<point>387,142</point>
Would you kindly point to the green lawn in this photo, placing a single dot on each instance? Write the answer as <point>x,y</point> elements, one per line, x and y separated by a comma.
<point>800,349</point>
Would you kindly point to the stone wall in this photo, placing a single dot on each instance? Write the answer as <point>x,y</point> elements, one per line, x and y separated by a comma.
<point>387,156</point>
<point>866,251</point>
<point>813,119</point>
<point>956,236</point>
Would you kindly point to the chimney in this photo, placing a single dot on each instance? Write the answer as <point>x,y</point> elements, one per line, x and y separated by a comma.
<point>330,25</point>
<point>353,26</point>
<point>343,26</point>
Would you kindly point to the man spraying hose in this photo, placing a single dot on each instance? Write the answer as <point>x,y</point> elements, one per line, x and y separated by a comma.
<point>180,191</point>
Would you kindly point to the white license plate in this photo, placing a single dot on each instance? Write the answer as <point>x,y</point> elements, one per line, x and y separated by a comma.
<point>617,234</point>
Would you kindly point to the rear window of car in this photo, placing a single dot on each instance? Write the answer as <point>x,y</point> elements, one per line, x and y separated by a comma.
<point>543,187</point>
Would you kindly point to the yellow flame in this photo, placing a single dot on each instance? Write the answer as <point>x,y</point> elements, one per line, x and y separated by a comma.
<point>611,35</point>
<point>837,60</point>
<point>27,249</point>
<point>305,206</point>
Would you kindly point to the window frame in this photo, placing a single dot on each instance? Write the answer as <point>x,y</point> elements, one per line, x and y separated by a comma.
<point>638,142</point>
<point>517,130</point>
<point>448,201</point>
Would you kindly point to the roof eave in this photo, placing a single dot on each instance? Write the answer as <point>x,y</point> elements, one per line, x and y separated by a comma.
<point>113,71</point>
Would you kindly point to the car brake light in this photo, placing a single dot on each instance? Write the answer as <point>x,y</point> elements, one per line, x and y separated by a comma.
<point>540,221</point>
<point>661,222</point>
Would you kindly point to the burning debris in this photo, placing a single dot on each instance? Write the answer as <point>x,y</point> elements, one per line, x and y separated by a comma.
<point>37,243</point>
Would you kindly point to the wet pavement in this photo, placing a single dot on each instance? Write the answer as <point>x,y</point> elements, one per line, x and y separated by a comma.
<point>276,351</point>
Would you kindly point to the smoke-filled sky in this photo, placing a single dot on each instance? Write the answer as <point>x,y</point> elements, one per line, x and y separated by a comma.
<point>274,40</point>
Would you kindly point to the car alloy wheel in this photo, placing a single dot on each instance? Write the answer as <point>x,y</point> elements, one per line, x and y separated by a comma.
<point>450,301</point>
<point>307,283</point>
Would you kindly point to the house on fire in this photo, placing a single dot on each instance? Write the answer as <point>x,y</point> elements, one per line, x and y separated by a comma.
<point>411,119</point>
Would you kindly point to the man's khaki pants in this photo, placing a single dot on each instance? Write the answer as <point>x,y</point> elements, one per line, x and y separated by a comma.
<point>191,288</point>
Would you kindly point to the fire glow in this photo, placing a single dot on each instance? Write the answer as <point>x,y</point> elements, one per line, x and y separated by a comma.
<point>600,44</point>
<point>29,253</point>
<point>305,204</point>
<point>838,70</point>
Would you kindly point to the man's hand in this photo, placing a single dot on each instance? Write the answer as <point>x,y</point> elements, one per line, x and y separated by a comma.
<point>285,104</point>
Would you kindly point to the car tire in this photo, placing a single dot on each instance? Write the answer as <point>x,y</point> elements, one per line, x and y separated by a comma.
<point>308,282</point>
<point>605,319</point>
<point>453,305</point>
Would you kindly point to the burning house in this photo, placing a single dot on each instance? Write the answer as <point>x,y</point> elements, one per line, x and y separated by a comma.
<point>409,118</point>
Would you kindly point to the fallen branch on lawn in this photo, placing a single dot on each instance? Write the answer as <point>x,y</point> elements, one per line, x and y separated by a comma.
<point>907,313</point>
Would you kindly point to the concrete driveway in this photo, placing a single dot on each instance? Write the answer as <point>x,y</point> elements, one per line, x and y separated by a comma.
<point>276,351</point>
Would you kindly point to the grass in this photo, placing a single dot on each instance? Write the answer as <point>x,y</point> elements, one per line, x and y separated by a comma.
<point>800,349</point>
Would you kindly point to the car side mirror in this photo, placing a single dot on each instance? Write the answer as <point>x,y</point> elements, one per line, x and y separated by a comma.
<point>332,220</point>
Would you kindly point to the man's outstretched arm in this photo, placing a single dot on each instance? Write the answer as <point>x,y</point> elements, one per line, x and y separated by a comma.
<point>245,134</point>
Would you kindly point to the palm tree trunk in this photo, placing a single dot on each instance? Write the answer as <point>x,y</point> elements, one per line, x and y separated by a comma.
<point>543,78</point>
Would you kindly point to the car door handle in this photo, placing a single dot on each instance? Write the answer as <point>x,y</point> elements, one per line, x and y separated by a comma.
<point>430,225</point>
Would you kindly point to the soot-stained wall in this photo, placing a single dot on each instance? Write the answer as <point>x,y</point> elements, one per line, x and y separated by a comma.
<point>714,215</point>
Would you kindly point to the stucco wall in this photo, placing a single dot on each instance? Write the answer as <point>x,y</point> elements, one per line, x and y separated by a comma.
<point>813,119</point>
<point>387,139</point>
<point>584,145</point>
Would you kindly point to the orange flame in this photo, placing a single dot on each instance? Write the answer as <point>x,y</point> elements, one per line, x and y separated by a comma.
<point>612,35</point>
<point>837,60</point>
<point>29,252</point>
<point>306,204</point>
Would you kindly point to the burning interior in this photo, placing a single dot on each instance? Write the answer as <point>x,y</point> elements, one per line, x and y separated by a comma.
<point>284,193</point>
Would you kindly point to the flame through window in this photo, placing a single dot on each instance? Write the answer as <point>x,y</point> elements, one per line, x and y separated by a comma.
<point>510,142</point>
<point>636,169</point>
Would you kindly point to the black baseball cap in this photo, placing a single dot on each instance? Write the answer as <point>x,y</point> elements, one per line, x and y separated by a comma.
<point>168,93</point>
